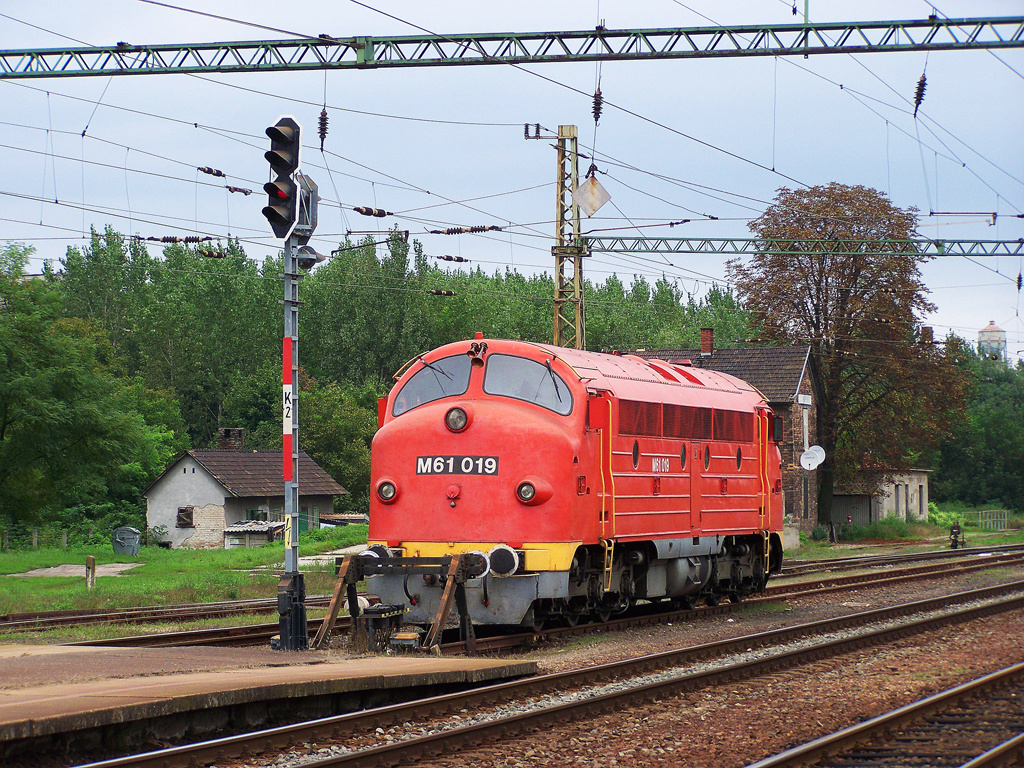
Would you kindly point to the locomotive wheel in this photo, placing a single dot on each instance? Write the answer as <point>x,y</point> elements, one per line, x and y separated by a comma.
<point>712,600</point>
<point>735,597</point>
<point>602,614</point>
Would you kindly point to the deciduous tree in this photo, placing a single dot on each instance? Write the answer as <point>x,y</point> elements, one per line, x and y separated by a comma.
<point>883,392</point>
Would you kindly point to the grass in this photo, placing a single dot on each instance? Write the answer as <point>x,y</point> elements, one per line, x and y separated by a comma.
<point>164,576</point>
<point>886,537</point>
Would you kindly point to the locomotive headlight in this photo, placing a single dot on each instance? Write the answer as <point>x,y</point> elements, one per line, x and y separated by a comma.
<point>387,491</point>
<point>456,419</point>
<point>533,490</point>
<point>526,492</point>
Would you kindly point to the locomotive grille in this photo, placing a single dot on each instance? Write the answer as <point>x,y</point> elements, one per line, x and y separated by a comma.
<point>734,426</point>
<point>637,418</point>
<point>684,422</point>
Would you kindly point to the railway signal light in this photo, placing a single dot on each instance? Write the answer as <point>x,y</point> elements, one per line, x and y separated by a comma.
<point>282,209</point>
<point>306,257</point>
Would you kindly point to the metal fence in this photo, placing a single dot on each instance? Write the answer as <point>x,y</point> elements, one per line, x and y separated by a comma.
<point>988,519</point>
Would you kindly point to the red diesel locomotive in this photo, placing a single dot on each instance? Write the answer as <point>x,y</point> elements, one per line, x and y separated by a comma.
<point>587,480</point>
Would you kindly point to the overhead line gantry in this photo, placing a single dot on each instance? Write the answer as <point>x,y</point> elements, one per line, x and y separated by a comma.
<point>748,246</point>
<point>600,44</point>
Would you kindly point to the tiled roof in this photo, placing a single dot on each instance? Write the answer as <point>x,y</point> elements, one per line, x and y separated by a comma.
<point>775,371</point>
<point>260,473</point>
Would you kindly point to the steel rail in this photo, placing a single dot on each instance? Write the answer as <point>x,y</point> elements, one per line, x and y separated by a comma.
<point>1010,752</point>
<point>219,750</point>
<point>253,634</point>
<point>902,574</point>
<point>600,44</point>
<point>835,743</point>
<point>806,589</point>
<point>211,636</point>
<point>800,567</point>
<point>29,622</point>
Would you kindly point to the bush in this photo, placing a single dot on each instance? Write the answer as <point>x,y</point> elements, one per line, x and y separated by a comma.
<point>940,518</point>
<point>820,533</point>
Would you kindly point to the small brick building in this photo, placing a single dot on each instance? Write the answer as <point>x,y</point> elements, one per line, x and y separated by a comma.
<point>784,376</point>
<point>204,492</point>
<point>903,496</point>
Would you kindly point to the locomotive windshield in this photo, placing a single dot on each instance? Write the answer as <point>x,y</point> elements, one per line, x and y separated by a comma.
<point>442,378</point>
<point>527,380</point>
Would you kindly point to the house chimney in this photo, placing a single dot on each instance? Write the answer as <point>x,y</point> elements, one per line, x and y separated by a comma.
<point>707,341</point>
<point>230,439</point>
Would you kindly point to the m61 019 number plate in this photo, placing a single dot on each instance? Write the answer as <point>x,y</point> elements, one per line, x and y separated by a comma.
<point>456,465</point>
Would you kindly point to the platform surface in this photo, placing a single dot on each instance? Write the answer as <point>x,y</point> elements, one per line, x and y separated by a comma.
<point>60,689</point>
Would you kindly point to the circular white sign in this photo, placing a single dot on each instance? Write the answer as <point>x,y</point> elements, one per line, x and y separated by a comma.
<point>809,460</point>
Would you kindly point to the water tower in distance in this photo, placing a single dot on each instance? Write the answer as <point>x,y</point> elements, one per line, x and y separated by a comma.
<point>992,342</point>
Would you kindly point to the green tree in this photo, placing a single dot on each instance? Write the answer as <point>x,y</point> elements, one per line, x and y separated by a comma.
<point>210,322</point>
<point>883,394</point>
<point>982,459</point>
<point>336,432</point>
<point>107,282</point>
<point>70,428</point>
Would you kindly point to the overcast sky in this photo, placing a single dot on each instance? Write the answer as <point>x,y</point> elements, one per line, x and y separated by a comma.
<point>417,141</point>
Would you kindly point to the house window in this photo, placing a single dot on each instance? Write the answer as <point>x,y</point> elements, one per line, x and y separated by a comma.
<point>256,514</point>
<point>185,515</point>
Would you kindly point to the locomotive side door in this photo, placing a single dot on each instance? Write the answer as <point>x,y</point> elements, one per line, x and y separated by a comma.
<point>599,417</point>
<point>695,480</point>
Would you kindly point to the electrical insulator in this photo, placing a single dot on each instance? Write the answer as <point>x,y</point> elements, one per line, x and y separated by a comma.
<point>919,93</point>
<point>323,127</point>
<point>451,258</point>
<point>436,292</point>
<point>463,230</point>
<point>242,190</point>
<point>211,254</point>
<point>1020,281</point>
<point>598,104</point>
<point>176,239</point>
<point>211,171</point>
<point>379,213</point>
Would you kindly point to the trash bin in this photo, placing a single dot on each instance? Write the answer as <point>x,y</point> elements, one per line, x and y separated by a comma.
<point>126,541</point>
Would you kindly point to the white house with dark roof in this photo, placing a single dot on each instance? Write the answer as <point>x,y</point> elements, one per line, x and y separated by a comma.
<point>216,498</point>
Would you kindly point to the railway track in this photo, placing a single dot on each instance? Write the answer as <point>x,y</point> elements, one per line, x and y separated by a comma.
<point>45,620</point>
<point>643,615</point>
<point>800,567</point>
<point>979,723</point>
<point>546,701</point>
